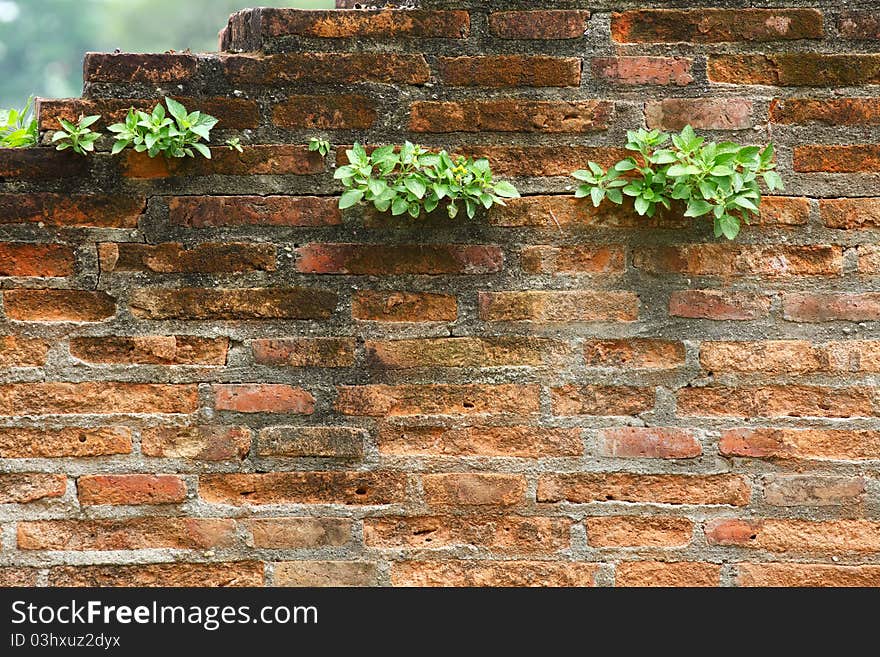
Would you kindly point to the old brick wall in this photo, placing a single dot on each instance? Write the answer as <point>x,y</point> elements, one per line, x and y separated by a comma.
<point>211,376</point>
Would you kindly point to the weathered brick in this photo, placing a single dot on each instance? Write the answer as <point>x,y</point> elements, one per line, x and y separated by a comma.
<point>719,305</point>
<point>127,534</point>
<point>298,532</point>
<point>344,23</point>
<point>511,115</point>
<point>173,257</point>
<point>233,303</point>
<point>510,71</point>
<point>305,352</point>
<point>791,356</point>
<point>30,259</point>
<point>806,575</point>
<point>649,442</point>
<point>474,489</point>
<point>58,305</point>
<point>325,112</point>
<point>137,67</point>
<point>869,259</point>
<point>804,536</point>
<point>809,490</point>
<point>210,211</point>
<point>776,401</point>
<point>511,534</point>
<point>822,444</point>
<point>699,113</point>
<point>130,489</point>
<point>438,399</point>
<point>644,70</point>
<point>573,259</point>
<point>38,164</point>
<point>238,573</point>
<point>741,260</point>
<point>19,577</point>
<point>202,443</point>
<point>151,349</point>
<point>320,442</point>
<point>515,441</point>
<point>546,161</point>
<point>22,352</point>
<point>635,353</point>
<point>825,111</point>
<point>802,69</point>
<point>261,159</point>
<point>379,259</point>
<point>667,573</point>
<point>831,306</point>
<point>850,158</point>
<point>380,306</point>
<point>715,25</point>
<point>325,573</point>
<point>859,24</point>
<point>638,531</point>
<point>782,211</point>
<point>492,573</point>
<point>105,397</point>
<point>585,487</point>
<point>263,398</point>
<point>94,211</point>
<point>540,24</point>
<point>21,488</point>
<point>601,400</point>
<point>497,351</point>
<point>21,442</point>
<point>559,306</point>
<point>325,68</point>
<point>376,487</point>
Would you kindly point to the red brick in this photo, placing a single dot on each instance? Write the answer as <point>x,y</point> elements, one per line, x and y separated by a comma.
<point>808,490</point>
<point>22,442</point>
<point>38,164</point>
<point>667,573</point>
<point>19,577</point>
<point>130,489</point>
<point>438,399</point>
<point>783,211</point>
<point>573,259</point>
<point>508,534</point>
<point>821,444</point>
<point>210,211</point>
<point>543,24</point>
<point>58,305</point>
<point>315,442</point>
<point>511,441</point>
<point>325,68</point>
<point>546,161</point>
<point>500,351</point>
<point>601,400</point>
<point>381,306</point>
<point>237,303</point>
<point>127,534</point>
<point>71,209</point>
<point>492,573</point>
<point>649,442</point>
<point>741,260</point>
<point>511,115</point>
<point>105,397</point>
<point>263,160</point>
<point>151,350</point>
<point>718,305</point>
<point>700,113</point>
<point>378,259</point>
<point>859,24</point>
<point>644,70</point>
<point>559,306</point>
<point>825,111</point>
<point>789,356</point>
<point>776,401</point>
<point>852,158</point>
<point>802,69</point>
<point>635,353</point>
<point>137,67</point>
<point>239,573</point>
<point>376,487</point>
<point>288,533</point>
<point>869,259</point>
<point>202,443</point>
<point>510,71</point>
<point>344,23</point>
<point>586,487</point>
<point>474,489</point>
<point>831,306</point>
<point>263,398</point>
<point>23,488</point>
<point>29,259</point>
<point>305,352</point>
<point>173,257</point>
<point>715,25</point>
<point>788,536</point>
<point>325,573</point>
<point>325,112</point>
<point>22,352</point>
<point>638,531</point>
<point>806,575</point>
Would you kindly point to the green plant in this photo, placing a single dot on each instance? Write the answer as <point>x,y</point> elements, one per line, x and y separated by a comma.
<point>410,179</point>
<point>177,135</point>
<point>234,144</point>
<point>322,146</point>
<point>77,136</point>
<point>710,178</point>
<point>18,127</point>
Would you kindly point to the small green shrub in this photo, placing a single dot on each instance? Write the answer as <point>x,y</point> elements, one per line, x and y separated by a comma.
<point>177,135</point>
<point>409,180</point>
<point>77,136</point>
<point>322,146</point>
<point>18,127</point>
<point>710,178</point>
<point>234,144</point>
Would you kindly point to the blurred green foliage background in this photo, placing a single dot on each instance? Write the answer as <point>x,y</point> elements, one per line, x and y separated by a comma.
<point>42,42</point>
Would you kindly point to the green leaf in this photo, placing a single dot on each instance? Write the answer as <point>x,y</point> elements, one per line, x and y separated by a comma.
<point>204,150</point>
<point>614,195</point>
<point>697,208</point>
<point>416,186</point>
<point>729,226</point>
<point>376,186</point>
<point>744,202</point>
<point>625,165</point>
<point>582,191</point>
<point>677,170</point>
<point>597,194</point>
<point>350,198</point>
<point>583,175</point>
<point>641,205</point>
<point>119,146</point>
<point>399,206</point>
<point>506,190</point>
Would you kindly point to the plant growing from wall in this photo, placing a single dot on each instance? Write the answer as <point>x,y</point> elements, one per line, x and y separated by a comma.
<point>321,146</point>
<point>177,134</point>
<point>409,179</point>
<point>717,179</point>
<point>77,136</point>
<point>18,127</point>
